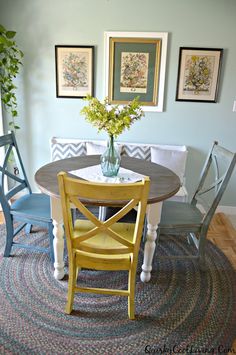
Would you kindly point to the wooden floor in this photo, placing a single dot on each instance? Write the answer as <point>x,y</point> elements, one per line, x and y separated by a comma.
<point>222,234</point>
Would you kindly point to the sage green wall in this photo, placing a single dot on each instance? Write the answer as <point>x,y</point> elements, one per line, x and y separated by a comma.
<point>40,24</point>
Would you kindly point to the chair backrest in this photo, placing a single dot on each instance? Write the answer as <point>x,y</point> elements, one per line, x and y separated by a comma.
<point>16,180</point>
<point>214,178</point>
<point>75,191</point>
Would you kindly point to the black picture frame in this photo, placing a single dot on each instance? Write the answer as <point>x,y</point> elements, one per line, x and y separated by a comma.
<point>74,71</point>
<point>198,74</point>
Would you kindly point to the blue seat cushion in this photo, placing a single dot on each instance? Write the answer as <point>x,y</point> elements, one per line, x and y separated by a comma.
<point>35,206</point>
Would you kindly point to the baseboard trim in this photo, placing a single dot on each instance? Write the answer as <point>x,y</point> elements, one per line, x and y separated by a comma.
<point>230,210</point>
<point>227,209</point>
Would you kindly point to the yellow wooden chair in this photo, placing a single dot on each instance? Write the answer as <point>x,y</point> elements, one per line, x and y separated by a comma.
<point>102,245</point>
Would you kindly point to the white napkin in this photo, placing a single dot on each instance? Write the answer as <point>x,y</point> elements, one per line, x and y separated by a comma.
<point>94,174</point>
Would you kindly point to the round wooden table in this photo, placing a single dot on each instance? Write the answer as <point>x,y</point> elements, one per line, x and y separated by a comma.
<point>164,184</point>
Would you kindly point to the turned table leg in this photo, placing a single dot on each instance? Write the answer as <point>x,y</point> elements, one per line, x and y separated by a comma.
<point>153,219</point>
<point>58,242</point>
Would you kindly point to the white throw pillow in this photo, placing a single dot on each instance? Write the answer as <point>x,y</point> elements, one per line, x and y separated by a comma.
<point>174,160</point>
<point>94,149</point>
<point>98,149</point>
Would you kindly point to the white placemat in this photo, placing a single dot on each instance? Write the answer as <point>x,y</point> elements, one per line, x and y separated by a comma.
<point>94,173</point>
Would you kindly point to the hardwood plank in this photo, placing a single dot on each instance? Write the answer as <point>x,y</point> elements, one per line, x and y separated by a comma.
<point>2,220</point>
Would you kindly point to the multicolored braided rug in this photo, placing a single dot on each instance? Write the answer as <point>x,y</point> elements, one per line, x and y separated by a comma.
<point>181,310</point>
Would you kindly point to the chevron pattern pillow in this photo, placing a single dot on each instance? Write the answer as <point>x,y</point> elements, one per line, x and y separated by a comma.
<point>134,151</point>
<point>67,150</point>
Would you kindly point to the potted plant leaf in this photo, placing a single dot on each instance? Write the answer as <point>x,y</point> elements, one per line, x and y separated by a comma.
<point>10,62</point>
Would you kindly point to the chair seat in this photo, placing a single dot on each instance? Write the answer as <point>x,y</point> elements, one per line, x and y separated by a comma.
<point>35,206</point>
<point>179,214</point>
<point>101,262</point>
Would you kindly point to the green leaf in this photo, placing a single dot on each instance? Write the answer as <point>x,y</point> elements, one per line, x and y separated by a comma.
<point>10,56</point>
<point>2,29</point>
<point>10,34</point>
<point>3,40</point>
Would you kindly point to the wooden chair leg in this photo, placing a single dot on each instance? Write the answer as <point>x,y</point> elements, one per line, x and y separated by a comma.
<point>158,236</point>
<point>131,297</point>
<point>201,251</point>
<point>51,237</point>
<point>28,228</point>
<point>9,237</point>
<point>73,273</point>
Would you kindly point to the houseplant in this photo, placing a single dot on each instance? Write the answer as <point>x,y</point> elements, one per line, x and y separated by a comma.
<point>10,62</point>
<point>114,120</point>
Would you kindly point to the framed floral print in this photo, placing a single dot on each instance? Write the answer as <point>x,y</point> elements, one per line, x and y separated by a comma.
<point>74,71</point>
<point>135,66</point>
<point>198,74</point>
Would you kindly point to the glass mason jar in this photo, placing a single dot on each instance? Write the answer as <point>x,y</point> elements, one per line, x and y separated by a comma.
<point>110,159</point>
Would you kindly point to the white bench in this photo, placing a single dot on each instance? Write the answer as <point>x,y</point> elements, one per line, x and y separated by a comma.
<point>171,156</point>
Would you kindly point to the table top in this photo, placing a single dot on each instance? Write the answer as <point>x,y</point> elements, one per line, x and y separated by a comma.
<point>164,182</point>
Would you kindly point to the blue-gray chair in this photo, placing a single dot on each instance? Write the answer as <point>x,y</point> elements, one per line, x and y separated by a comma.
<point>29,209</point>
<point>180,218</point>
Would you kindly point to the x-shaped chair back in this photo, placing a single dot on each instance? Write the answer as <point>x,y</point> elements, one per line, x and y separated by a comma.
<point>214,179</point>
<point>16,181</point>
<point>75,191</point>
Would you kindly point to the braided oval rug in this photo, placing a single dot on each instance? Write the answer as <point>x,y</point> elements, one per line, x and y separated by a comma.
<point>181,310</point>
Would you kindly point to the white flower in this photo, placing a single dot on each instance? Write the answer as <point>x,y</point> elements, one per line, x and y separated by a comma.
<point>108,108</point>
<point>139,111</point>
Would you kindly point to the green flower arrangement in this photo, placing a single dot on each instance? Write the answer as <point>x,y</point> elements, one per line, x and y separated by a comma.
<point>112,119</point>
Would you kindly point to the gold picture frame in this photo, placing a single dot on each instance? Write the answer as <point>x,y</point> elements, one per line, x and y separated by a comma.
<point>135,66</point>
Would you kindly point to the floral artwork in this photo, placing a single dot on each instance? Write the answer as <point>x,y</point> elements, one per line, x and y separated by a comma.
<point>134,72</point>
<point>198,74</point>
<point>75,70</point>
<point>135,66</point>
